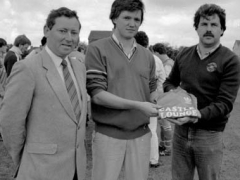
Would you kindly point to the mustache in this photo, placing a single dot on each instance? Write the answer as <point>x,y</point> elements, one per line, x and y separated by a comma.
<point>208,34</point>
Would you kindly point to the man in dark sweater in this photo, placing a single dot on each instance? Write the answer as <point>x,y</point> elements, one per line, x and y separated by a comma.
<point>211,72</point>
<point>121,82</point>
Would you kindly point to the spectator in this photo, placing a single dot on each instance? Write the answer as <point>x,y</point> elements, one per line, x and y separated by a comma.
<point>3,75</point>
<point>19,48</point>
<point>165,126</point>
<point>142,39</point>
<point>160,51</point>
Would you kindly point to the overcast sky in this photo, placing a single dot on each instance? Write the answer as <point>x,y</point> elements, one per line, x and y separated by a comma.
<point>165,20</point>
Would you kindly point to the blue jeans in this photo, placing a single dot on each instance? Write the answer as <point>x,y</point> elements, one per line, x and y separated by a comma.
<point>196,148</point>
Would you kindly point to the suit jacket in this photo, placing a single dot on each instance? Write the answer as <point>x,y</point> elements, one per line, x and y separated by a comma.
<point>39,127</point>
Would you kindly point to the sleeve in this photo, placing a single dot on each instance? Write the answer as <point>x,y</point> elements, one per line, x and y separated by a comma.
<point>227,93</point>
<point>153,80</point>
<point>14,110</point>
<point>173,79</point>
<point>168,69</point>
<point>96,71</point>
<point>160,74</point>
<point>9,62</point>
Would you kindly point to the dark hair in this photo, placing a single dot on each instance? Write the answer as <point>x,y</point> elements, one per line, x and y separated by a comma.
<point>126,5</point>
<point>209,10</point>
<point>21,40</point>
<point>160,48</point>
<point>63,11</point>
<point>43,41</point>
<point>2,42</point>
<point>142,38</point>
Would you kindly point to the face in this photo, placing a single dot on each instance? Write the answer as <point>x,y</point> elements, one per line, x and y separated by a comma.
<point>209,31</point>
<point>24,48</point>
<point>3,49</point>
<point>127,24</point>
<point>64,36</point>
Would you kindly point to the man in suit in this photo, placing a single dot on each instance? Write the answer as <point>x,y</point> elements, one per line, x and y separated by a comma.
<point>41,130</point>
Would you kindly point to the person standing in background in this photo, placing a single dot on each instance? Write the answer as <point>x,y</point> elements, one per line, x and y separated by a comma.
<point>160,51</point>
<point>211,72</point>
<point>14,54</point>
<point>165,126</point>
<point>3,74</point>
<point>142,39</point>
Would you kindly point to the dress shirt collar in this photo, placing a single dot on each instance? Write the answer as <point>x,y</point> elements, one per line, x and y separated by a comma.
<point>203,56</point>
<point>134,46</point>
<point>56,59</point>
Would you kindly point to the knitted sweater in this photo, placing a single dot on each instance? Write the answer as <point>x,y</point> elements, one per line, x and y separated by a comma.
<point>214,81</point>
<point>109,69</point>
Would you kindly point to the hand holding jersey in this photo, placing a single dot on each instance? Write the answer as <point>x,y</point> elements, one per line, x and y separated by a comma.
<point>179,107</point>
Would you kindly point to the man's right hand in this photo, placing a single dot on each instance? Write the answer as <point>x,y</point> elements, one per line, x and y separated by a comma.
<point>149,109</point>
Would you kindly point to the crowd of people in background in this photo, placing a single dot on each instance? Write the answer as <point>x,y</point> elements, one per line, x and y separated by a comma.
<point>48,93</point>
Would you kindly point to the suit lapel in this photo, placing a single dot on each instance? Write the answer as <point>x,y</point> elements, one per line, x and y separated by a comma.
<point>57,84</point>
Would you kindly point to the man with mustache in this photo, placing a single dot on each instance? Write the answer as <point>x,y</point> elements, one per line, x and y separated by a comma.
<point>211,72</point>
<point>121,82</point>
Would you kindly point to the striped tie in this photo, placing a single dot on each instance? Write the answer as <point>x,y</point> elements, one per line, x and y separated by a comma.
<point>71,89</point>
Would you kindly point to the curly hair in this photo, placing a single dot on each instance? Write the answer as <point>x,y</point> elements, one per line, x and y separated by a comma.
<point>209,10</point>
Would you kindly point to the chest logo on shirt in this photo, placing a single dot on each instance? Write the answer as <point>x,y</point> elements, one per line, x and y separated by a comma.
<point>211,67</point>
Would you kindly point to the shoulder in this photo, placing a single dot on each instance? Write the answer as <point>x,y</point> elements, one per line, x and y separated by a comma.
<point>185,52</point>
<point>228,57</point>
<point>144,51</point>
<point>10,55</point>
<point>77,55</point>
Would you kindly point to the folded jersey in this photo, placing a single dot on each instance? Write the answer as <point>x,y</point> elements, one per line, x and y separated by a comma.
<point>177,103</point>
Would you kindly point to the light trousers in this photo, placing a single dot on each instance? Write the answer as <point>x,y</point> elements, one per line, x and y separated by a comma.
<point>154,153</point>
<point>110,155</point>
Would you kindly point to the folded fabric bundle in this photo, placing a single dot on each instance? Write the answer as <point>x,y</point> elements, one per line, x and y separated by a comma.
<point>177,103</point>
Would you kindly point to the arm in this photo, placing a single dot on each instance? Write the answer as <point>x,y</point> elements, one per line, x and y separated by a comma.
<point>168,69</point>
<point>160,74</point>
<point>14,110</point>
<point>97,86</point>
<point>226,93</point>
<point>107,99</point>
<point>173,80</point>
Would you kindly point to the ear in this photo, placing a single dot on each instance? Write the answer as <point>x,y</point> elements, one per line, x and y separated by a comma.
<point>46,31</point>
<point>222,32</point>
